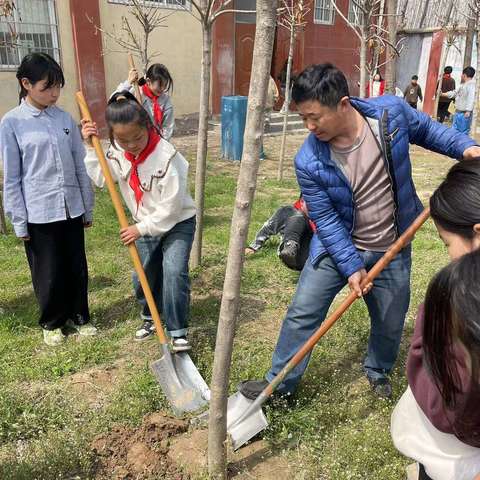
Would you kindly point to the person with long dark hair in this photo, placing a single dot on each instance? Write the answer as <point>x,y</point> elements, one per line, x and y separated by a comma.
<point>437,420</point>
<point>155,87</point>
<point>48,196</point>
<point>153,180</point>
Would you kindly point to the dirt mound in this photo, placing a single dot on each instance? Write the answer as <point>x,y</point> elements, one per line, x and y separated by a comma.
<point>141,453</point>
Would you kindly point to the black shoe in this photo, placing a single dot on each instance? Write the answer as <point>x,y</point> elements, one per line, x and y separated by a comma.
<point>251,389</point>
<point>288,253</point>
<point>381,386</point>
<point>145,331</point>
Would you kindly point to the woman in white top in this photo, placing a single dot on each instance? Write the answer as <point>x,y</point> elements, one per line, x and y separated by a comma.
<point>152,177</point>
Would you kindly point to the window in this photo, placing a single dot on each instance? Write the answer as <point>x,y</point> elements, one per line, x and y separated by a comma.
<point>245,5</point>
<point>180,4</point>
<point>324,12</point>
<point>32,28</point>
<point>355,15</point>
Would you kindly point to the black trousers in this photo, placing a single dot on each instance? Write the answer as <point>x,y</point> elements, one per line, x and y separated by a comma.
<point>291,224</point>
<point>443,112</point>
<point>58,264</point>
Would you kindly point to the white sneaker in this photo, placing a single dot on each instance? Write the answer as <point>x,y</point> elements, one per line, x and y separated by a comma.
<point>180,344</point>
<point>85,330</point>
<point>53,337</point>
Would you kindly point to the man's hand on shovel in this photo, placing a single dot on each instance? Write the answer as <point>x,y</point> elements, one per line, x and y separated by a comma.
<point>355,280</point>
<point>129,235</point>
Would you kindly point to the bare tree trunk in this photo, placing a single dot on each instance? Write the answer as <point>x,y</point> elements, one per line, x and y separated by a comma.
<point>391,67</point>
<point>262,58</point>
<point>476,105</point>
<point>363,65</point>
<point>3,223</point>
<point>467,58</point>
<point>376,57</point>
<point>287,100</point>
<point>202,142</point>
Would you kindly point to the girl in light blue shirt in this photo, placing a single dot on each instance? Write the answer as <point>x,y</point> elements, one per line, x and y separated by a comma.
<point>48,196</point>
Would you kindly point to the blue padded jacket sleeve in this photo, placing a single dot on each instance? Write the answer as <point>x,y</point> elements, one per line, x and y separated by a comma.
<point>330,228</point>
<point>427,133</point>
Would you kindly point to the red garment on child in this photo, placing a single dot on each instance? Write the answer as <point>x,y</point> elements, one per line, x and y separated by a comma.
<point>301,206</point>
<point>134,182</point>
<point>157,109</point>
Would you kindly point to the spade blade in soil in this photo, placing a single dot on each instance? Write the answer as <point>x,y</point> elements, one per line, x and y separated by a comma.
<point>180,381</point>
<point>243,424</point>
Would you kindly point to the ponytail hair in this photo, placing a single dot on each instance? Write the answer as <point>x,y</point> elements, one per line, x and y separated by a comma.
<point>39,66</point>
<point>455,204</point>
<point>158,72</point>
<point>452,321</point>
<point>124,108</point>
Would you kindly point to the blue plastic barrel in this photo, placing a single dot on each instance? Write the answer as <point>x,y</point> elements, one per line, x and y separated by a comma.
<point>234,115</point>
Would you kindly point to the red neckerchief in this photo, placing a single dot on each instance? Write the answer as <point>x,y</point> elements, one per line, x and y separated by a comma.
<point>157,109</point>
<point>134,182</point>
<point>301,206</point>
<point>446,76</point>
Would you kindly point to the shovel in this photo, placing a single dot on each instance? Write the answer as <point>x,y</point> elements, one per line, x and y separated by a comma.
<point>138,95</point>
<point>245,417</point>
<point>177,375</point>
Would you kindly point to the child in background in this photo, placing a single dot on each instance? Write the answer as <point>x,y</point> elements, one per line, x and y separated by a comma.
<point>437,420</point>
<point>448,85</point>
<point>291,222</point>
<point>152,177</point>
<point>155,88</point>
<point>465,101</point>
<point>48,196</point>
<point>376,86</point>
<point>413,93</point>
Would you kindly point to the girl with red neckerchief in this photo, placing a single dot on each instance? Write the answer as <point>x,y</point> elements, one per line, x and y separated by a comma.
<point>153,180</point>
<point>155,88</point>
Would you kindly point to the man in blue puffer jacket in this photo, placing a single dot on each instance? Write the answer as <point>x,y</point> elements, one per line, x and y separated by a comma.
<point>355,175</point>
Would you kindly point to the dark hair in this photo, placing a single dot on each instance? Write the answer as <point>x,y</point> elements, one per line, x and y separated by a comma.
<point>415,77</point>
<point>39,66</point>
<point>124,108</point>
<point>448,70</point>
<point>158,72</point>
<point>452,308</point>
<point>324,83</point>
<point>469,72</point>
<point>455,204</point>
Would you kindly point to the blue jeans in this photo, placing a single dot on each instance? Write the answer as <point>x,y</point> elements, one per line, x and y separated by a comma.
<point>387,304</point>
<point>462,123</point>
<point>165,260</point>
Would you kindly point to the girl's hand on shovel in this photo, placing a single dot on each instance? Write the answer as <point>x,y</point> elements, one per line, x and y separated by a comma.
<point>355,280</point>
<point>88,129</point>
<point>129,234</point>
<point>133,76</point>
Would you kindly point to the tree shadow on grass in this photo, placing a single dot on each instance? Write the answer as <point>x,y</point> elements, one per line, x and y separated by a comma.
<point>205,312</point>
<point>120,311</point>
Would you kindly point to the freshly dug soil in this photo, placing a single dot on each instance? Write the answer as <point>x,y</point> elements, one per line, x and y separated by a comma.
<point>140,453</point>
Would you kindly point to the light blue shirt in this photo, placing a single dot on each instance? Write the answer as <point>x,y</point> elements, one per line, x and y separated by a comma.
<point>45,179</point>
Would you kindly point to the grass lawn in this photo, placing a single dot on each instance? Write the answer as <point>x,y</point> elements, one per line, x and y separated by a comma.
<point>53,402</point>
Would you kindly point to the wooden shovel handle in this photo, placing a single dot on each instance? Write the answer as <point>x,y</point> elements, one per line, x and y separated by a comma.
<point>122,219</point>
<point>138,95</point>
<point>389,255</point>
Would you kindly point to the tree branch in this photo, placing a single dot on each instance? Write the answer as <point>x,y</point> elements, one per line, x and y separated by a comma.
<point>353,27</point>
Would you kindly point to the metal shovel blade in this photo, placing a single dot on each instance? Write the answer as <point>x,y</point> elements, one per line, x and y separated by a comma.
<point>180,381</point>
<point>241,430</point>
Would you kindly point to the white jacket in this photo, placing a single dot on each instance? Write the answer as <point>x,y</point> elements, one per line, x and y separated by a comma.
<point>164,180</point>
